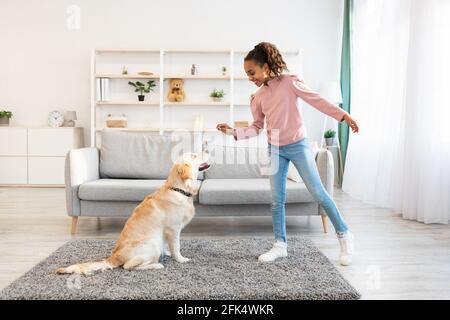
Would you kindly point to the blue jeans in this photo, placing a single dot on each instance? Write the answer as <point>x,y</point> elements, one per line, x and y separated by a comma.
<point>301,155</point>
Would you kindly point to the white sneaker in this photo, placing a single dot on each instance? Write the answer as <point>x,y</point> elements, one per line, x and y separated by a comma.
<point>279,250</point>
<point>347,243</point>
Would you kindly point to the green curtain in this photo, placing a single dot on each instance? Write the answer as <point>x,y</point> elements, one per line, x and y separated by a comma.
<point>343,129</point>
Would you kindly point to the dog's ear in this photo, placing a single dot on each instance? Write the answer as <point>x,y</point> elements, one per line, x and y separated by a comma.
<point>184,171</point>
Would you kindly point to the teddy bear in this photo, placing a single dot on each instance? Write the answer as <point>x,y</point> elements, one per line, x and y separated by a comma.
<point>176,92</point>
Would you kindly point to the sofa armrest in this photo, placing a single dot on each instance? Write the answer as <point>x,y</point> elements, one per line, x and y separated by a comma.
<point>81,165</point>
<point>325,165</point>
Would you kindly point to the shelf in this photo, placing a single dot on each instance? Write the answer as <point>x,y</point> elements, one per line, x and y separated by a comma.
<point>222,51</point>
<point>293,52</point>
<point>171,76</point>
<point>190,130</point>
<point>168,103</point>
<point>199,77</point>
<point>158,50</point>
<point>235,81</point>
<point>126,103</point>
<point>127,76</point>
<point>119,50</point>
<point>157,129</point>
<point>129,129</point>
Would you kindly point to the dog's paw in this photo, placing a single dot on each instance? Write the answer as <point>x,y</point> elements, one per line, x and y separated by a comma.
<point>182,259</point>
<point>167,253</point>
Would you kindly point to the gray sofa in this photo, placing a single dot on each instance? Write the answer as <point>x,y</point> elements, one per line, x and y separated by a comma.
<point>110,181</point>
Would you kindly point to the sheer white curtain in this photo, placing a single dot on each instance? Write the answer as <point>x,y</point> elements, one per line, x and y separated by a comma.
<point>400,97</point>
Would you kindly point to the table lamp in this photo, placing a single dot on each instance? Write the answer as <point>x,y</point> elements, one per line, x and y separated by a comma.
<point>70,117</point>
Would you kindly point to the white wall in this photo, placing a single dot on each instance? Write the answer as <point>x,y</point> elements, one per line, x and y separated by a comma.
<point>44,65</point>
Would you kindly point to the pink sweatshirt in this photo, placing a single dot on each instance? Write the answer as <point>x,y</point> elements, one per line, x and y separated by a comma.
<point>276,101</point>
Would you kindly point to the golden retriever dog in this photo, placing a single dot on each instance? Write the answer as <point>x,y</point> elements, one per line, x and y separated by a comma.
<point>156,221</point>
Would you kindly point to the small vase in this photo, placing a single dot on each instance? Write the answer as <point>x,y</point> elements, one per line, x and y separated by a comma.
<point>330,141</point>
<point>4,121</point>
<point>216,99</point>
<point>70,123</point>
<point>141,97</point>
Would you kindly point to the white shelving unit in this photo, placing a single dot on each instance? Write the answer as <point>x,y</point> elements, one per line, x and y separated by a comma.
<point>156,113</point>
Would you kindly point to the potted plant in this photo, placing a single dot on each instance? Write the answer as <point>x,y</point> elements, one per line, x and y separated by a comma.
<point>224,70</point>
<point>330,137</point>
<point>142,88</point>
<point>4,117</point>
<point>217,95</point>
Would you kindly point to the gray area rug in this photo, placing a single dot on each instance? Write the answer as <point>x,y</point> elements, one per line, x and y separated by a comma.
<point>219,269</point>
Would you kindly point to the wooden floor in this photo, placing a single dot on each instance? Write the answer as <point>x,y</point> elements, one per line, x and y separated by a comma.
<point>395,258</point>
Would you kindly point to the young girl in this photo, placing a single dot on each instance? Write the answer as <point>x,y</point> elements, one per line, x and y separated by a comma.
<point>276,102</point>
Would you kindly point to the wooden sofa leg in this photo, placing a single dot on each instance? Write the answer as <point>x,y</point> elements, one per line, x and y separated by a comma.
<point>325,223</point>
<point>74,225</point>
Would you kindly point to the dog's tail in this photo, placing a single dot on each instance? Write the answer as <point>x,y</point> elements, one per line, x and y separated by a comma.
<point>90,267</point>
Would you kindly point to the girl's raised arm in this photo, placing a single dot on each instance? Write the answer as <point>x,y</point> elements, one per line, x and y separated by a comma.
<point>314,99</point>
<point>258,122</point>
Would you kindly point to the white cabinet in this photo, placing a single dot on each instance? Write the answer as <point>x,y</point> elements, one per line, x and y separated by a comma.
<point>13,156</point>
<point>36,155</point>
<point>13,141</point>
<point>51,142</point>
<point>13,170</point>
<point>46,170</point>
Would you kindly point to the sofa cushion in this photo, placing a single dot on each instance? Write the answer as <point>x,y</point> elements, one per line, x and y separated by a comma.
<point>120,189</point>
<point>248,191</point>
<point>236,162</point>
<point>143,155</point>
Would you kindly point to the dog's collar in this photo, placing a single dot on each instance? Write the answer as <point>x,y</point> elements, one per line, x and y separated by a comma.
<point>187,194</point>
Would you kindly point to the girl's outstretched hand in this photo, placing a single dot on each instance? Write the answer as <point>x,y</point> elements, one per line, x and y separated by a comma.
<point>351,123</point>
<point>225,128</point>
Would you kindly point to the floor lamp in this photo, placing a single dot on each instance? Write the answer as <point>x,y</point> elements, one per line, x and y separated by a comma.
<point>332,92</point>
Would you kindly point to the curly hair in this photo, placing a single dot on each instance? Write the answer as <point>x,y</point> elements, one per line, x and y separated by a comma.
<point>265,52</point>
